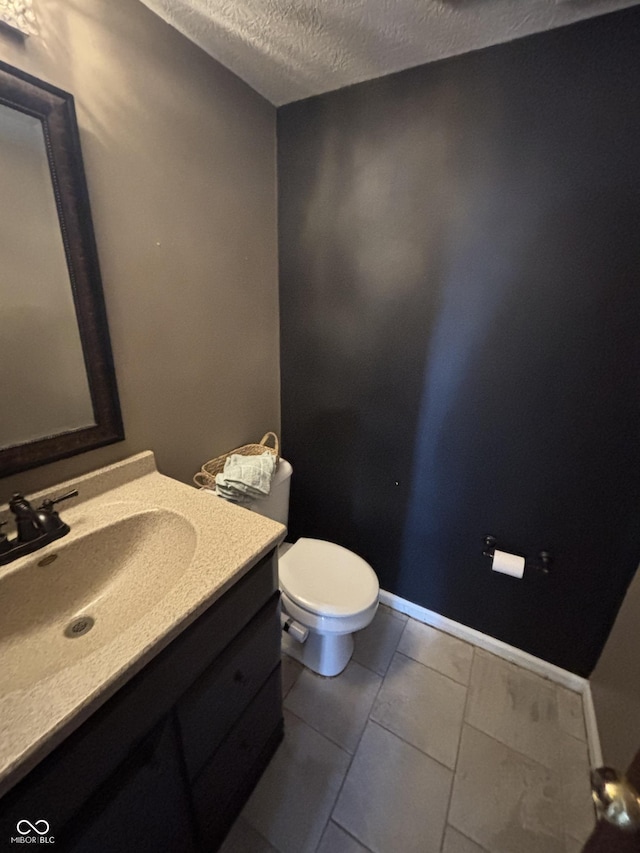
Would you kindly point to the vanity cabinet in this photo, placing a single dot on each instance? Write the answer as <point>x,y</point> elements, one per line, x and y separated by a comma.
<point>168,762</point>
<point>143,806</point>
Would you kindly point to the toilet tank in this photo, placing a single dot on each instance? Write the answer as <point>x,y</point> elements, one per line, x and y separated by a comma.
<point>276,505</point>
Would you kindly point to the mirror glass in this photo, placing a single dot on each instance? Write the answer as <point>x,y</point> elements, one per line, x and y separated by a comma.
<point>45,389</point>
<point>59,394</point>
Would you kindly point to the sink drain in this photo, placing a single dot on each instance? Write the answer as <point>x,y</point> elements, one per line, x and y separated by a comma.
<point>80,625</point>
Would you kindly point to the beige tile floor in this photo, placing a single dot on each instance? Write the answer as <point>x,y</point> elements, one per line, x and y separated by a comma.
<point>423,744</point>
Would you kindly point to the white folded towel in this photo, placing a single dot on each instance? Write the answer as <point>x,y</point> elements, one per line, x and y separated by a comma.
<point>245,478</point>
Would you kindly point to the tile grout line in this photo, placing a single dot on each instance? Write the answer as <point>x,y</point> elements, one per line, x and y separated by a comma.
<point>479,640</point>
<point>437,672</point>
<point>351,755</point>
<point>350,834</point>
<point>524,660</point>
<point>284,695</point>
<point>518,752</point>
<point>553,770</point>
<point>328,737</point>
<point>432,668</point>
<point>305,723</point>
<point>355,752</point>
<point>475,843</point>
<point>382,679</point>
<point>398,736</point>
<point>558,687</point>
<point>453,770</point>
<point>455,766</point>
<point>293,683</point>
<point>383,675</point>
<point>333,743</point>
<point>412,745</point>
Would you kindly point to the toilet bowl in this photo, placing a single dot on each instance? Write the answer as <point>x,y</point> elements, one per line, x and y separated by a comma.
<point>330,591</point>
<point>327,589</point>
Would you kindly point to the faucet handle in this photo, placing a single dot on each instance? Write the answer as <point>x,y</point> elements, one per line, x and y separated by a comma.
<point>18,500</point>
<point>49,502</point>
<point>28,524</point>
<point>49,518</point>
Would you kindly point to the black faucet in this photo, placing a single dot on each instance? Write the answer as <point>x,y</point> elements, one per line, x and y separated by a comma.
<point>35,528</point>
<point>28,524</point>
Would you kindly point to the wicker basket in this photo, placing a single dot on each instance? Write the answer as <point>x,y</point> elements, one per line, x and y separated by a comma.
<point>206,476</point>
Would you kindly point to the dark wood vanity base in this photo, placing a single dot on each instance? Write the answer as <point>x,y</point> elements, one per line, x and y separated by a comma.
<point>168,762</point>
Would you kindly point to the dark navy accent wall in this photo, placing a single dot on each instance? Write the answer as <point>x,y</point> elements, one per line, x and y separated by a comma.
<point>460,329</point>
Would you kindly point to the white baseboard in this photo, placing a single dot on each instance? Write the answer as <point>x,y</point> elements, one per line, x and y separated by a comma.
<point>483,641</point>
<point>591,722</point>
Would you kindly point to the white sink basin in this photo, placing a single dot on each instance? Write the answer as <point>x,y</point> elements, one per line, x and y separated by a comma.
<point>113,574</point>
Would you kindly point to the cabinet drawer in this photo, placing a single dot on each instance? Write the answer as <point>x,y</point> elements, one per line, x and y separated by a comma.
<point>209,708</point>
<point>220,789</point>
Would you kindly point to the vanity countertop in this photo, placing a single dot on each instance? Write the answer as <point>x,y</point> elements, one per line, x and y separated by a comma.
<point>226,541</point>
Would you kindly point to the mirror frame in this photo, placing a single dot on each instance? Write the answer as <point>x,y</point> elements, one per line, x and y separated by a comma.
<point>56,111</point>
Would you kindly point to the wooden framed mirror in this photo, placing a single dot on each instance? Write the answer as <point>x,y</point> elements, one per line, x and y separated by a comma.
<point>59,393</point>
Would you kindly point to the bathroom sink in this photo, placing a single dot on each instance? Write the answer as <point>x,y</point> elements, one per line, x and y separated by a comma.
<point>145,558</point>
<point>77,594</point>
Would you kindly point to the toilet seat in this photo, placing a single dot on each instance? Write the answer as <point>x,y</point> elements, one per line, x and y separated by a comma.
<point>327,580</point>
<point>328,625</point>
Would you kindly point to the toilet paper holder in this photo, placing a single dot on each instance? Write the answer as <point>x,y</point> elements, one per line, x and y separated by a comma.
<point>542,564</point>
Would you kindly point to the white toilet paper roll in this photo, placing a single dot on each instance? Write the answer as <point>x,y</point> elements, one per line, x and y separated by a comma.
<point>508,564</point>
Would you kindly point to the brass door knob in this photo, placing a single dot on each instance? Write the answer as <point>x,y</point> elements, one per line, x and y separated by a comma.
<point>616,799</point>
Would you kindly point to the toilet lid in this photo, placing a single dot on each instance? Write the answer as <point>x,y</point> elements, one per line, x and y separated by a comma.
<point>327,579</point>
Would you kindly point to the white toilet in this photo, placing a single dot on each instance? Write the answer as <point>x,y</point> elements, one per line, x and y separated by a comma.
<point>326,589</point>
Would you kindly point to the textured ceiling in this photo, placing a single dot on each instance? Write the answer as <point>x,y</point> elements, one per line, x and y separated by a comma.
<point>291,49</point>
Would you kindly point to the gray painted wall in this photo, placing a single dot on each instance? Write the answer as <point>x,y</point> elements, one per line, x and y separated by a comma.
<point>181,169</point>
